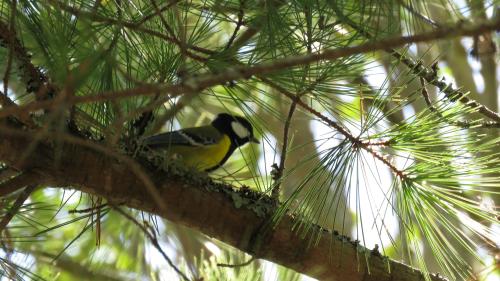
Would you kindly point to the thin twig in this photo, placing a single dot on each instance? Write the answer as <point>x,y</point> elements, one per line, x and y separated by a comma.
<point>238,264</point>
<point>280,171</point>
<point>341,129</point>
<point>414,12</point>
<point>377,143</point>
<point>238,25</point>
<point>431,76</point>
<point>143,90</point>
<point>154,241</point>
<point>256,25</point>
<point>16,206</point>
<point>281,168</point>
<point>87,210</point>
<point>462,124</point>
<point>162,19</point>
<point>130,25</point>
<point>161,10</point>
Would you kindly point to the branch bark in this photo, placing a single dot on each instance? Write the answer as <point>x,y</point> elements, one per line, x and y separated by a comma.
<point>214,209</point>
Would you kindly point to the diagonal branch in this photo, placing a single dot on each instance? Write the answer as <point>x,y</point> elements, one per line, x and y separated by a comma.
<point>462,124</point>
<point>234,217</point>
<point>430,74</point>
<point>431,77</point>
<point>201,82</point>
<point>12,185</point>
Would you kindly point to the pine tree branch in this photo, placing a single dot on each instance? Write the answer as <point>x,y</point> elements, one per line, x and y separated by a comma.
<point>215,209</point>
<point>130,25</point>
<point>341,129</point>
<point>430,74</point>
<point>18,182</point>
<point>462,124</point>
<point>198,83</point>
<point>241,13</point>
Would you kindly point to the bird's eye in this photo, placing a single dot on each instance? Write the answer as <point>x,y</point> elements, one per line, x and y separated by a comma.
<point>240,130</point>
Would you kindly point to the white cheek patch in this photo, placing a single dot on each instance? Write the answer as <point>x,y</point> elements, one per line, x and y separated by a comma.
<point>240,130</point>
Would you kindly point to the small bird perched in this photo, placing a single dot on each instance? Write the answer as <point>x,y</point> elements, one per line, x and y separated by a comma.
<point>208,147</point>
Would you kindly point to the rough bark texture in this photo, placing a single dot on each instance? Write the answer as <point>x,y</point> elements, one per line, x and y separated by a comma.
<point>216,210</point>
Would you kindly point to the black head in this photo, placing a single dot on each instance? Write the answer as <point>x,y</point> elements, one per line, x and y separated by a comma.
<point>237,128</point>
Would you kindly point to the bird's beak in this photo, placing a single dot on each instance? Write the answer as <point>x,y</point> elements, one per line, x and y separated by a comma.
<point>254,140</point>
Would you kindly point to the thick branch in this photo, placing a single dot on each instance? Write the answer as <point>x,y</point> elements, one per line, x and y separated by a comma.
<point>214,209</point>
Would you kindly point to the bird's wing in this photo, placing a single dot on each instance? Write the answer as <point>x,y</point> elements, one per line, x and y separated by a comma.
<point>198,136</point>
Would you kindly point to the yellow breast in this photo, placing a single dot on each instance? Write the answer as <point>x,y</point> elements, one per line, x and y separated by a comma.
<point>202,157</point>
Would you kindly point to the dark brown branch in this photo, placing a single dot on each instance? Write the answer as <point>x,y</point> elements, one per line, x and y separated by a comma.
<point>341,129</point>
<point>12,185</point>
<point>212,211</point>
<point>284,148</point>
<point>7,173</point>
<point>5,101</point>
<point>21,115</point>
<point>249,261</point>
<point>238,25</point>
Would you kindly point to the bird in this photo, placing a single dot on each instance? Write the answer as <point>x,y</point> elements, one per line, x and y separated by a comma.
<point>204,148</point>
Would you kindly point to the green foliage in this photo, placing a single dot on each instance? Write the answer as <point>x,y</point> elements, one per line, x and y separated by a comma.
<point>422,172</point>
